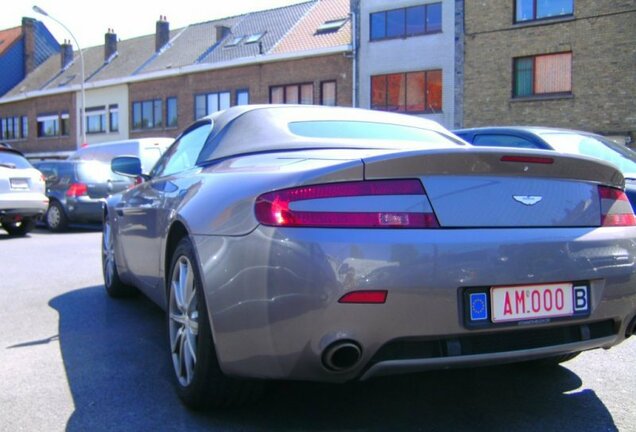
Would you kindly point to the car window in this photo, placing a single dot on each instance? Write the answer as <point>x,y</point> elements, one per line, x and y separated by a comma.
<point>503,140</point>
<point>183,154</point>
<point>596,147</point>
<point>367,131</point>
<point>98,172</point>
<point>13,160</point>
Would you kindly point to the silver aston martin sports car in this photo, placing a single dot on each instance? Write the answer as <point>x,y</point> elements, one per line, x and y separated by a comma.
<point>339,244</point>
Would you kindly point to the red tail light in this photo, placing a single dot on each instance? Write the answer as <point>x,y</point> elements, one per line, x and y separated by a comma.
<point>615,208</point>
<point>528,159</point>
<point>77,189</point>
<point>364,297</point>
<point>276,208</point>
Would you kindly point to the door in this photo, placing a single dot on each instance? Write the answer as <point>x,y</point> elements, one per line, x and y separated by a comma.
<point>145,212</point>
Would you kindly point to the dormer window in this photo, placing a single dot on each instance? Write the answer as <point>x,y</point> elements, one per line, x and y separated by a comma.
<point>234,41</point>
<point>331,26</point>
<point>254,38</point>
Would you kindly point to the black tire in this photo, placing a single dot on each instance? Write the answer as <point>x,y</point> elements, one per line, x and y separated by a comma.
<point>199,381</point>
<point>112,282</point>
<point>21,228</point>
<point>55,217</point>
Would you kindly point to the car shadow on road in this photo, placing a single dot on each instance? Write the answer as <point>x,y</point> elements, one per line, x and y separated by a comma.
<point>115,355</point>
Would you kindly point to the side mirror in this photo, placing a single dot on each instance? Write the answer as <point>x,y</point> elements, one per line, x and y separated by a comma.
<point>128,166</point>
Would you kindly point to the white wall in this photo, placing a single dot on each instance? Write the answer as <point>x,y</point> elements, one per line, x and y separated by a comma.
<point>104,97</point>
<point>417,53</point>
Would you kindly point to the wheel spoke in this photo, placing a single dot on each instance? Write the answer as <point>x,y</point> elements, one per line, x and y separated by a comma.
<point>179,318</point>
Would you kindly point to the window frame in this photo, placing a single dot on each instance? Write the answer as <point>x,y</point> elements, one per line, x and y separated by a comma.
<point>299,94</point>
<point>244,91</point>
<point>405,34</point>
<point>404,76</point>
<point>99,112</point>
<point>169,100</point>
<point>16,130</point>
<point>335,92</point>
<point>157,117</point>
<point>113,113</point>
<point>206,97</point>
<point>535,17</point>
<point>534,94</point>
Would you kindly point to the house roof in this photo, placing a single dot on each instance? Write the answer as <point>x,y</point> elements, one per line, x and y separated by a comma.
<point>326,25</point>
<point>257,33</point>
<point>260,31</point>
<point>8,37</point>
<point>188,45</point>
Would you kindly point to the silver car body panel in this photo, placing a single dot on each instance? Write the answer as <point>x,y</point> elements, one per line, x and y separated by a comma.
<point>272,293</point>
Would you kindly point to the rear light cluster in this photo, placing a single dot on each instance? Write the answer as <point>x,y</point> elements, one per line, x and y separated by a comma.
<point>276,208</point>
<point>77,189</point>
<point>615,208</point>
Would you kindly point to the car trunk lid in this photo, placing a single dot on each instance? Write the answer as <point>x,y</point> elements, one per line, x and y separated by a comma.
<point>494,188</point>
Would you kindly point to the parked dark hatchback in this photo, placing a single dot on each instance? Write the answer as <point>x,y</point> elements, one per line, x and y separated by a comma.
<point>77,191</point>
<point>561,140</point>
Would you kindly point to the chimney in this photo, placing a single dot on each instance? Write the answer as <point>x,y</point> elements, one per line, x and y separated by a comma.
<point>28,35</point>
<point>66,53</point>
<point>222,31</point>
<point>162,35</point>
<point>110,44</point>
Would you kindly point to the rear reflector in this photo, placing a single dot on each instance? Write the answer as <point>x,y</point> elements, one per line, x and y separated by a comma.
<point>615,208</point>
<point>364,297</point>
<point>275,208</point>
<point>528,159</point>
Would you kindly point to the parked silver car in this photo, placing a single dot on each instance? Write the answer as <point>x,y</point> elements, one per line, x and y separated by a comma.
<point>335,244</point>
<point>22,198</point>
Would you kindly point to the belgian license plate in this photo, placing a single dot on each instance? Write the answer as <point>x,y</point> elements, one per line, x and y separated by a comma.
<point>19,184</point>
<point>517,303</point>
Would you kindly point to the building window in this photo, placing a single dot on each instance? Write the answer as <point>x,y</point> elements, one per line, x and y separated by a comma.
<point>65,124</point>
<point>48,125</point>
<point>148,114</point>
<point>531,10</point>
<point>96,120</point>
<point>171,112</point>
<point>243,97</point>
<point>292,94</point>
<point>412,92</point>
<point>25,127</point>
<point>206,104</point>
<point>543,75</point>
<point>328,93</point>
<point>406,22</point>
<point>113,118</point>
<point>13,128</point>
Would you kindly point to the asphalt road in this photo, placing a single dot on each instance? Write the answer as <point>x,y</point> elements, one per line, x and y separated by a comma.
<point>73,359</point>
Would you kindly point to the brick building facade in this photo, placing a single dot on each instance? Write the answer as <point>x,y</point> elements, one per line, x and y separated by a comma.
<point>256,79</point>
<point>581,65</point>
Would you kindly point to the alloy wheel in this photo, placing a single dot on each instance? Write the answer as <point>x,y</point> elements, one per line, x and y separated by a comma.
<point>183,320</point>
<point>108,254</point>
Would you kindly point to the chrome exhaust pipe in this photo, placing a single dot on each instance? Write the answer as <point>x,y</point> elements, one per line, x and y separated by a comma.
<point>341,355</point>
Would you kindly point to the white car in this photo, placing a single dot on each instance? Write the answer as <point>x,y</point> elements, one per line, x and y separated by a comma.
<point>22,193</point>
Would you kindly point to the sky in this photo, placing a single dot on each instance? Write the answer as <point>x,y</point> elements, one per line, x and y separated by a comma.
<point>89,20</point>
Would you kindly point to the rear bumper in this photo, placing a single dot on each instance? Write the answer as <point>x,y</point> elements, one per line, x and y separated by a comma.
<point>23,204</point>
<point>273,296</point>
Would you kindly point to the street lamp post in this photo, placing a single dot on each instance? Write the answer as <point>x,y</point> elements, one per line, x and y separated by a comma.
<point>82,110</point>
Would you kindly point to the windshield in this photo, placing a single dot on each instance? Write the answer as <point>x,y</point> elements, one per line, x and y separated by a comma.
<point>368,131</point>
<point>13,160</point>
<point>623,157</point>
